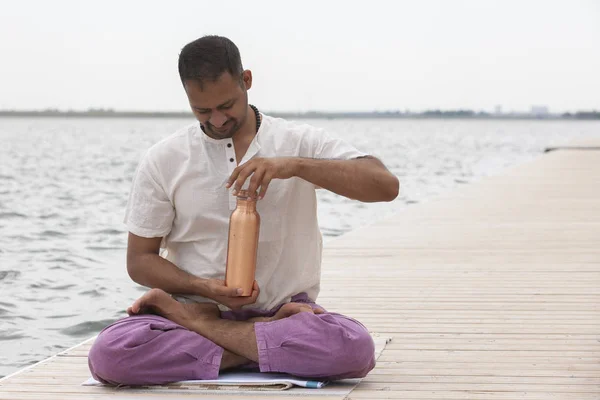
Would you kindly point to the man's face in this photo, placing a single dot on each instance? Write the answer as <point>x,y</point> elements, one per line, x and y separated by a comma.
<point>220,106</point>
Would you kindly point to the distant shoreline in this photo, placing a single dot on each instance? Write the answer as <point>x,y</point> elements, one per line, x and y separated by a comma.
<point>433,114</point>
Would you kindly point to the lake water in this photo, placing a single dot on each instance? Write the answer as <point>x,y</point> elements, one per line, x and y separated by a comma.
<point>64,185</point>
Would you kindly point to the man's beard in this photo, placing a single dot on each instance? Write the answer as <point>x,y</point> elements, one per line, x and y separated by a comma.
<point>209,128</point>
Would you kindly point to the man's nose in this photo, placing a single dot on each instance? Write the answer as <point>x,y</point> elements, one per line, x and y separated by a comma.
<point>217,119</point>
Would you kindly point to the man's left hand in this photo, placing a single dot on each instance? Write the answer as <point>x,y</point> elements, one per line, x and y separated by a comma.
<point>262,170</point>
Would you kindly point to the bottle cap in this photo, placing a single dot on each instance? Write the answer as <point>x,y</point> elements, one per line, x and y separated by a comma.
<point>244,194</point>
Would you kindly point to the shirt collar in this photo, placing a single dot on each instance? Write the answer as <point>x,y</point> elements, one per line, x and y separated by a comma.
<point>252,149</point>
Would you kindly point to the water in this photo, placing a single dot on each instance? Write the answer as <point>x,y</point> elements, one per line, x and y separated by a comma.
<point>64,185</point>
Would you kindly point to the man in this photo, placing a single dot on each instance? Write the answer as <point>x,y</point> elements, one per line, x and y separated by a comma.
<point>190,325</point>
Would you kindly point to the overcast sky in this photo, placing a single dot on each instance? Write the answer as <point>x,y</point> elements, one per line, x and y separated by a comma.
<point>306,55</point>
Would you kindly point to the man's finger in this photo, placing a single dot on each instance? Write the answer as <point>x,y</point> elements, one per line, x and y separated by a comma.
<point>256,289</point>
<point>136,306</point>
<point>256,180</point>
<point>253,296</point>
<point>237,171</point>
<point>264,185</point>
<point>234,175</point>
<point>239,182</point>
<point>227,291</point>
<point>234,292</point>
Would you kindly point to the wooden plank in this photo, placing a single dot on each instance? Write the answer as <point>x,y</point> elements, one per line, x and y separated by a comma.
<point>382,392</point>
<point>123,395</point>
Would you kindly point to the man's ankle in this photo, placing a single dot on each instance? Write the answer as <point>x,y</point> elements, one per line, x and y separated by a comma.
<point>232,360</point>
<point>260,319</point>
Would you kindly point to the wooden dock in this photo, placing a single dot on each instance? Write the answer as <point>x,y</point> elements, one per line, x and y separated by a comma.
<point>489,292</point>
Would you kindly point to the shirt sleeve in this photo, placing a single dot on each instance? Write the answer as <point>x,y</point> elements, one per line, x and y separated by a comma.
<point>149,212</point>
<point>327,146</point>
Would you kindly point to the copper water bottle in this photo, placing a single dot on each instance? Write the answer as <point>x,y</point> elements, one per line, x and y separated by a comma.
<point>244,225</point>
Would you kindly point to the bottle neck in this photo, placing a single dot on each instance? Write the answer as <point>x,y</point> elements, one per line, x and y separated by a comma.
<point>246,204</point>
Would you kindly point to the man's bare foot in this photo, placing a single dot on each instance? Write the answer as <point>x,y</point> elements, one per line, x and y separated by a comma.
<point>160,302</point>
<point>289,309</point>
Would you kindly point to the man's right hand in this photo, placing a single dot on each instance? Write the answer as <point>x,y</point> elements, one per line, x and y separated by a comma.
<point>230,297</point>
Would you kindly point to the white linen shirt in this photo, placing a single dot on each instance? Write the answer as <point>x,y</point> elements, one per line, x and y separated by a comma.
<point>179,194</point>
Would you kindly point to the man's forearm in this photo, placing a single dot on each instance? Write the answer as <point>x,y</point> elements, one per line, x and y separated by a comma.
<point>154,271</point>
<point>365,179</point>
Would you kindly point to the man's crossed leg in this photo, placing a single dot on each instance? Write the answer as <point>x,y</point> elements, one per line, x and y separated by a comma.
<point>196,341</point>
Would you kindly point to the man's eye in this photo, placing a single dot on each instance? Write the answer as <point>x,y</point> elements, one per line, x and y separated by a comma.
<point>202,111</point>
<point>227,107</point>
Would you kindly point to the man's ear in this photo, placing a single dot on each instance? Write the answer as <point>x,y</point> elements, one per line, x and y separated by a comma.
<point>247,79</point>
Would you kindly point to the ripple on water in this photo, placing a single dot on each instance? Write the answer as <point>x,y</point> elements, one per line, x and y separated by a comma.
<point>60,260</point>
<point>11,215</point>
<point>62,316</point>
<point>53,234</point>
<point>84,258</point>
<point>25,239</point>
<point>49,216</point>
<point>91,293</point>
<point>105,247</point>
<point>55,348</point>
<point>332,232</point>
<point>86,328</point>
<point>8,275</point>
<point>108,232</point>
<point>63,287</point>
<point>12,317</point>
<point>39,285</point>
<point>11,335</point>
<point>5,304</point>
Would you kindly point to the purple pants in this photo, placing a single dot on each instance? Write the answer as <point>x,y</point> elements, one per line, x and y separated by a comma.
<point>149,349</point>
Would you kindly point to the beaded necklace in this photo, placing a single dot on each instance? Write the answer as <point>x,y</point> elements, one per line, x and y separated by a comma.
<point>258,117</point>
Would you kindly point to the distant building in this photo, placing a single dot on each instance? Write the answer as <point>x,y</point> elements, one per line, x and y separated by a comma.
<point>540,111</point>
<point>498,110</point>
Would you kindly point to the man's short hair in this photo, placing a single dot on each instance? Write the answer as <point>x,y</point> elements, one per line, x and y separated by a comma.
<point>207,58</point>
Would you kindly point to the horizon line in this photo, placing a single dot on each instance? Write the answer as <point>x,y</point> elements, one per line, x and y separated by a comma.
<point>542,110</point>
<point>542,113</point>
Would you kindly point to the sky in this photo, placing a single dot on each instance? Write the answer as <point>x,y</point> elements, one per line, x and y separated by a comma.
<point>373,55</point>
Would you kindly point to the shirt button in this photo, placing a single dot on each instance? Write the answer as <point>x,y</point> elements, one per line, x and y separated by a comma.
<point>231,160</point>
<point>228,144</point>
